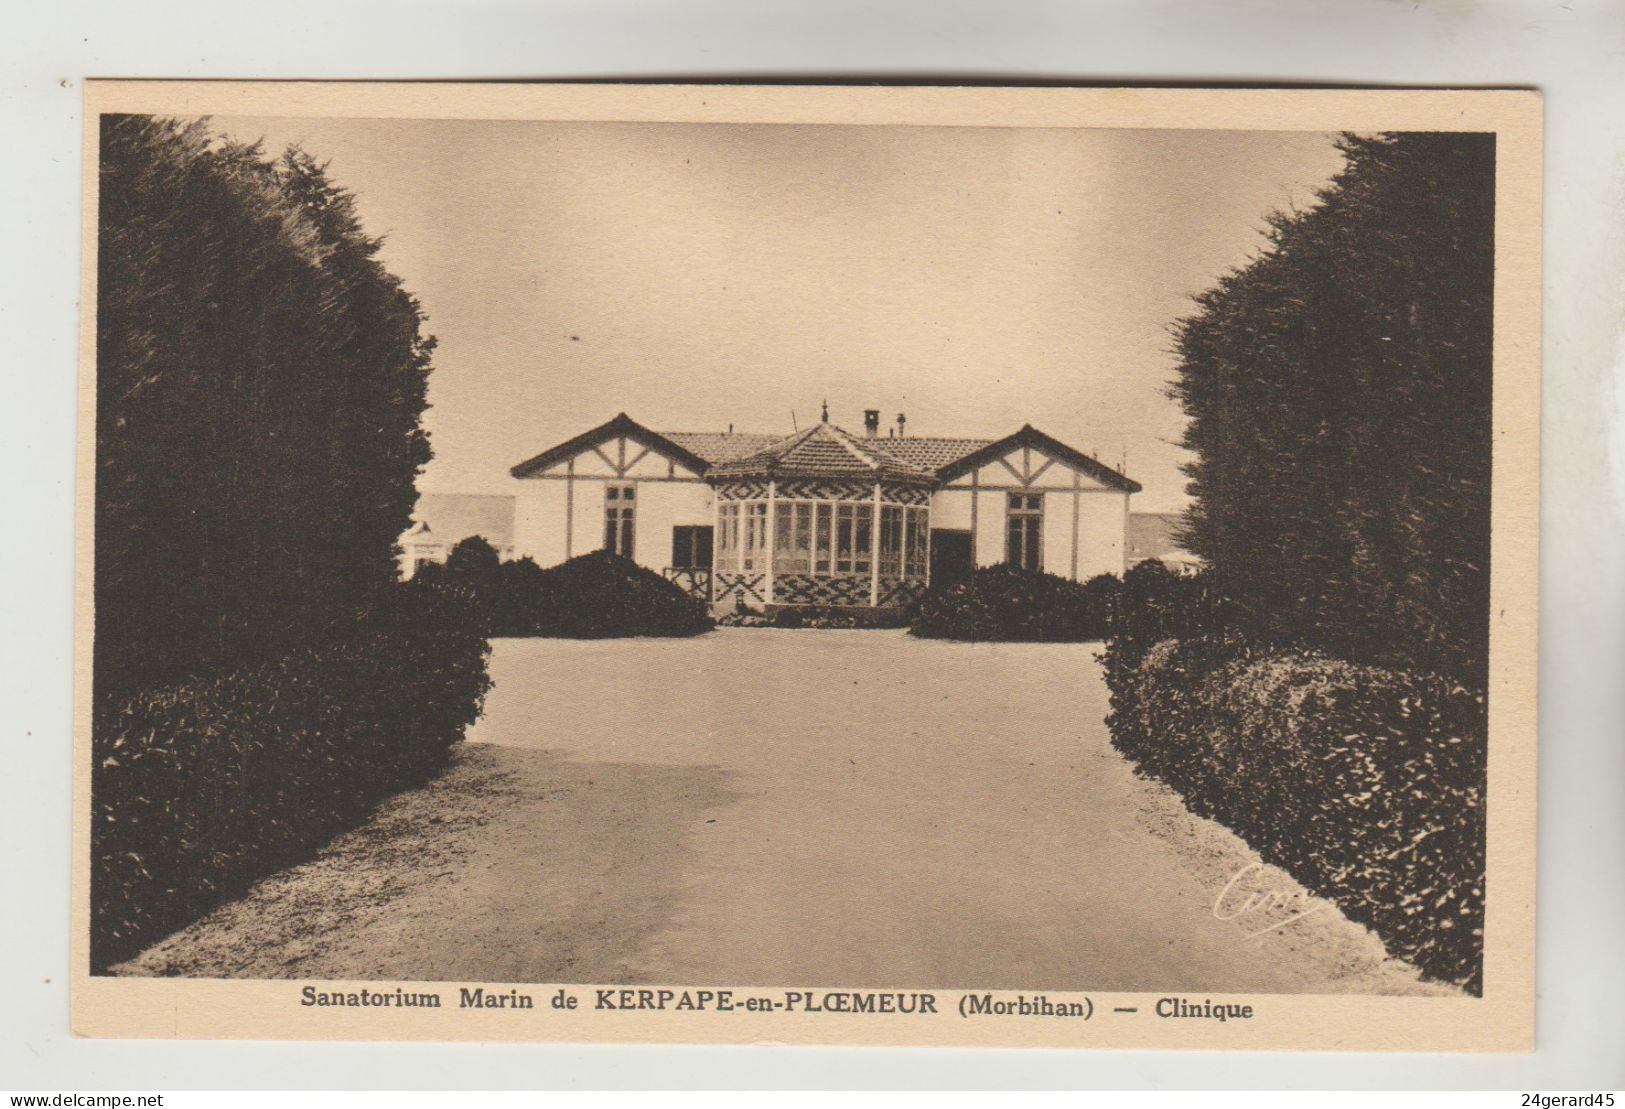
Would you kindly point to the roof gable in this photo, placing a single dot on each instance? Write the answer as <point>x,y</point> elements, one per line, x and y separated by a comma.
<point>1030,436</point>
<point>621,425</point>
<point>824,450</point>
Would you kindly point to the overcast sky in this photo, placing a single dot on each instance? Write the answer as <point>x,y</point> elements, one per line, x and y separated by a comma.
<point>697,276</point>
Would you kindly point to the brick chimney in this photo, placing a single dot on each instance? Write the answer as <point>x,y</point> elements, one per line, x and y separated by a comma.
<point>871,422</point>
<point>901,421</point>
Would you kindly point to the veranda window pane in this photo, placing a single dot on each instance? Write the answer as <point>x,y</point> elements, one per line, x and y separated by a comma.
<point>891,540</point>
<point>863,540</point>
<point>825,538</point>
<point>784,526</point>
<point>728,521</point>
<point>756,537</point>
<point>804,535</point>
<point>919,540</point>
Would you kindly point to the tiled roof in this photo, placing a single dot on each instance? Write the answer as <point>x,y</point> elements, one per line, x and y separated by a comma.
<point>1030,436</point>
<point>722,446</point>
<point>825,450</point>
<point>730,446</point>
<point>932,454</point>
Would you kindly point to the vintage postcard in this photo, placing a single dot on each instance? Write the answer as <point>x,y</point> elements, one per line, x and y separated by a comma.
<point>820,565</point>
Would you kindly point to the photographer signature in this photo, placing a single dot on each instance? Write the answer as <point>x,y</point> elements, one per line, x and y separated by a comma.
<point>1234,903</point>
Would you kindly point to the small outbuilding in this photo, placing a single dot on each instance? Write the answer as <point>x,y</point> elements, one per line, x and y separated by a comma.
<point>442,520</point>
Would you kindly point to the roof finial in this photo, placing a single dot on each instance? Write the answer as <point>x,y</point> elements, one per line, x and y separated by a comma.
<point>825,417</point>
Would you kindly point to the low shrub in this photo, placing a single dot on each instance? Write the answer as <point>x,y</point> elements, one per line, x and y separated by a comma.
<point>749,618</point>
<point>199,789</point>
<point>1155,604</point>
<point>815,616</point>
<point>593,596</point>
<point>1007,603</point>
<point>1365,784</point>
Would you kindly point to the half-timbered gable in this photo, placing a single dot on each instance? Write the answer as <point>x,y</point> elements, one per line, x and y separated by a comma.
<point>620,487</point>
<point>1033,501</point>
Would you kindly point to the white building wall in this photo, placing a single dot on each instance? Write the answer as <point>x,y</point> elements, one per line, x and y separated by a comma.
<point>663,505</point>
<point>588,533</point>
<point>950,508</point>
<point>990,527</point>
<point>1058,533</point>
<point>1102,533</point>
<point>539,522</point>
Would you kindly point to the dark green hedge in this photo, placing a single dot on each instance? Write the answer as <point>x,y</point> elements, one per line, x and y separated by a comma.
<point>201,788</point>
<point>1365,784</point>
<point>1007,603</point>
<point>1339,390</point>
<point>260,377</point>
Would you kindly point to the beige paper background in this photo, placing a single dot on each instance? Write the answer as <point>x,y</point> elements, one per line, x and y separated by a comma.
<point>1501,1020</point>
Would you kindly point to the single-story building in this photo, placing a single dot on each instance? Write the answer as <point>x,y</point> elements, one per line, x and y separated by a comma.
<point>822,516</point>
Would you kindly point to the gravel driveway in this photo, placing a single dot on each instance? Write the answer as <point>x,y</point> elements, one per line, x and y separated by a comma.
<point>791,808</point>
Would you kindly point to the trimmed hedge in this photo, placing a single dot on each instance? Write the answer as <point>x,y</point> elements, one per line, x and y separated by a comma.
<point>1365,784</point>
<point>199,789</point>
<point>1339,390</point>
<point>1007,603</point>
<point>261,379</point>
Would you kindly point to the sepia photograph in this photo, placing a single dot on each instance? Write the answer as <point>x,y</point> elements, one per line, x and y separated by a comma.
<point>820,565</point>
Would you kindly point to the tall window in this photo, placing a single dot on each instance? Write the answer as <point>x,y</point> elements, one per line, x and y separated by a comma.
<point>1024,533</point>
<point>753,551</point>
<point>619,509</point>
